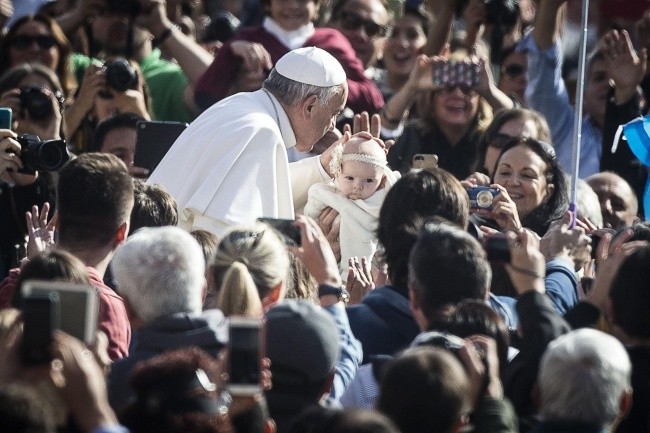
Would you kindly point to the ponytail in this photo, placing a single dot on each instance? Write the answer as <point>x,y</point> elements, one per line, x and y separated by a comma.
<point>239,295</point>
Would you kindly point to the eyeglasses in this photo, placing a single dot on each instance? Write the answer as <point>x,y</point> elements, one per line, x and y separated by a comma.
<point>514,70</point>
<point>467,91</point>
<point>23,42</point>
<point>500,140</point>
<point>352,21</point>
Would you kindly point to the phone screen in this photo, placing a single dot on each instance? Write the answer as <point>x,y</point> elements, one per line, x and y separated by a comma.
<point>5,118</point>
<point>245,355</point>
<point>284,226</point>
<point>153,141</point>
<point>40,318</point>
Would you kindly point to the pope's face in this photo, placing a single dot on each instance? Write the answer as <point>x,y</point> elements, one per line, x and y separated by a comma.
<point>320,119</point>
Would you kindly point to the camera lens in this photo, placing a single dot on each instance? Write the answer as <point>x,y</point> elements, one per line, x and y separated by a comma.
<point>37,155</point>
<point>36,102</point>
<point>484,199</point>
<point>50,156</point>
<point>121,76</point>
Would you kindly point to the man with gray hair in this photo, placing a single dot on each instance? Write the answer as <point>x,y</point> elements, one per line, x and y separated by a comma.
<point>230,166</point>
<point>160,273</point>
<point>584,382</point>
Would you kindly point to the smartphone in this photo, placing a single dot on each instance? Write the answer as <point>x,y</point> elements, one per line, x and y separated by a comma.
<point>451,74</point>
<point>284,226</point>
<point>40,319</point>
<point>153,139</point>
<point>78,306</point>
<point>5,118</point>
<point>497,249</point>
<point>245,341</point>
<point>425,160</point>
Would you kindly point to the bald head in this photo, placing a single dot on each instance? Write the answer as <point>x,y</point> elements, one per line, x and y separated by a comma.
<point>618,202</point>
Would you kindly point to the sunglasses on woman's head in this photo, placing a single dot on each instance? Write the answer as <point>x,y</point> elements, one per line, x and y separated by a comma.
<point>352,21</point>
<point>514,70</point>
<point>23,42</point>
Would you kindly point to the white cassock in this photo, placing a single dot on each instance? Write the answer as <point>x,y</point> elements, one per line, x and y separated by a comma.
<point>230,166</point>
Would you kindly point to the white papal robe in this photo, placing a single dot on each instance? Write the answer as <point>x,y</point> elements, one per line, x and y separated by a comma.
<point>230,166</point>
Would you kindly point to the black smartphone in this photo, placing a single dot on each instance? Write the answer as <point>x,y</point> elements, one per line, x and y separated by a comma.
<point>40,319</point>
<point>245,356</point>
<point>5,118</point>
<point>284,226</point>
<point>153,139</point>
<point>497,249</point>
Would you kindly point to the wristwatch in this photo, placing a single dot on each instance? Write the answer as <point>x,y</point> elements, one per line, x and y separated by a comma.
<point>340,292</point>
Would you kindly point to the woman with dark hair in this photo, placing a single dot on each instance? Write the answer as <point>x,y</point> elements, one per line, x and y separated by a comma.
<point>532,187</point>
<point>506,125</point>
<point>529,175</point>
<point>39,39</point>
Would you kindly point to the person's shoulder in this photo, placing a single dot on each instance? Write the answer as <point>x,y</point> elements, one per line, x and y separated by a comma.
<point>325,37</point>
<point>250,33</point>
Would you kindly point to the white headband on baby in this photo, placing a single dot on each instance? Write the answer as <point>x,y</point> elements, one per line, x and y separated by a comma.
<point>338,158</point>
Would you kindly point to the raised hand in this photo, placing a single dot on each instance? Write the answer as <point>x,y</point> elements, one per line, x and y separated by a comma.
<point>624,66</point>
<point>40,231</point>
<point>359,281</point>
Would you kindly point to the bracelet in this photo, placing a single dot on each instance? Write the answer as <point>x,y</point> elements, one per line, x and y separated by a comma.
<point>384,112</point>
<point>164,36</point>
<point>524,271</point>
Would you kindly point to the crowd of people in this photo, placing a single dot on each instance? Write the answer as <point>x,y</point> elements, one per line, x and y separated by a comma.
<point>433,275</point>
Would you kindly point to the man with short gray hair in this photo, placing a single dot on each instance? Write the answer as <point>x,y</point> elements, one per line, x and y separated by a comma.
<point>160,273</point>
<point>584,381</point>
<point>230,166</point>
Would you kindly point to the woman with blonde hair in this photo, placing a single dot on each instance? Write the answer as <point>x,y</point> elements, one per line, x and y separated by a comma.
<point>453,115</point>
<point>249,270</point>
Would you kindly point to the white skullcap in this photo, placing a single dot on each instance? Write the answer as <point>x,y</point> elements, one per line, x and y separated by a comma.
<point>311,65</point>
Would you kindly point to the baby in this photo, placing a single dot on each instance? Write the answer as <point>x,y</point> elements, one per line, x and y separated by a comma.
<point>361,181</point>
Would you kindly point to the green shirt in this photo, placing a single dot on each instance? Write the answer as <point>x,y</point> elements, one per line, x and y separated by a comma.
<point>165,80</point>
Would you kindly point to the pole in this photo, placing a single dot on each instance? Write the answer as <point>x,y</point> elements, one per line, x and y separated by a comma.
<point>577,121</point>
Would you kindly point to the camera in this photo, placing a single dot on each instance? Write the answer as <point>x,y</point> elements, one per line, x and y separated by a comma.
<point>121,76</point>
<point>499,12</point>
<point>36,102</point>
<point>38,155</point>
<point>480,197</point>
<point>129,7</point>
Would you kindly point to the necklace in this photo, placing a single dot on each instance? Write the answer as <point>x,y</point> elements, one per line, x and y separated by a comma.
<point>275,109</point>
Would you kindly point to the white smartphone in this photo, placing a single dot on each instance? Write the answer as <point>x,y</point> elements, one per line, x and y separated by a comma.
<point>78,306</point>
<point>246,351</point>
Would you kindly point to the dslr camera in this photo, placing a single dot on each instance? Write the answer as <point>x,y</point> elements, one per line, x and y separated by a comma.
<point>502,13</point>
<point>120,75</point>
<point>36,102</point>
<point>129,7</point>
<point>38,155</point>
<point>480,197</point>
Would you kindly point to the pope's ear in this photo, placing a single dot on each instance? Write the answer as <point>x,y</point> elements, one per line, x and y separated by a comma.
<point>308,106</point>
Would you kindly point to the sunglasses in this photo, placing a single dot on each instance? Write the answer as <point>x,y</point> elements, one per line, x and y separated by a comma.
<point>23,42</point>
<point>514,70</point>
<point>352,21</point>
<point>467,91</point>
<point>500,140</point>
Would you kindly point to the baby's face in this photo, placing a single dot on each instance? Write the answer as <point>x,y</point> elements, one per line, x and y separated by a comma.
<point>359,180</point>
